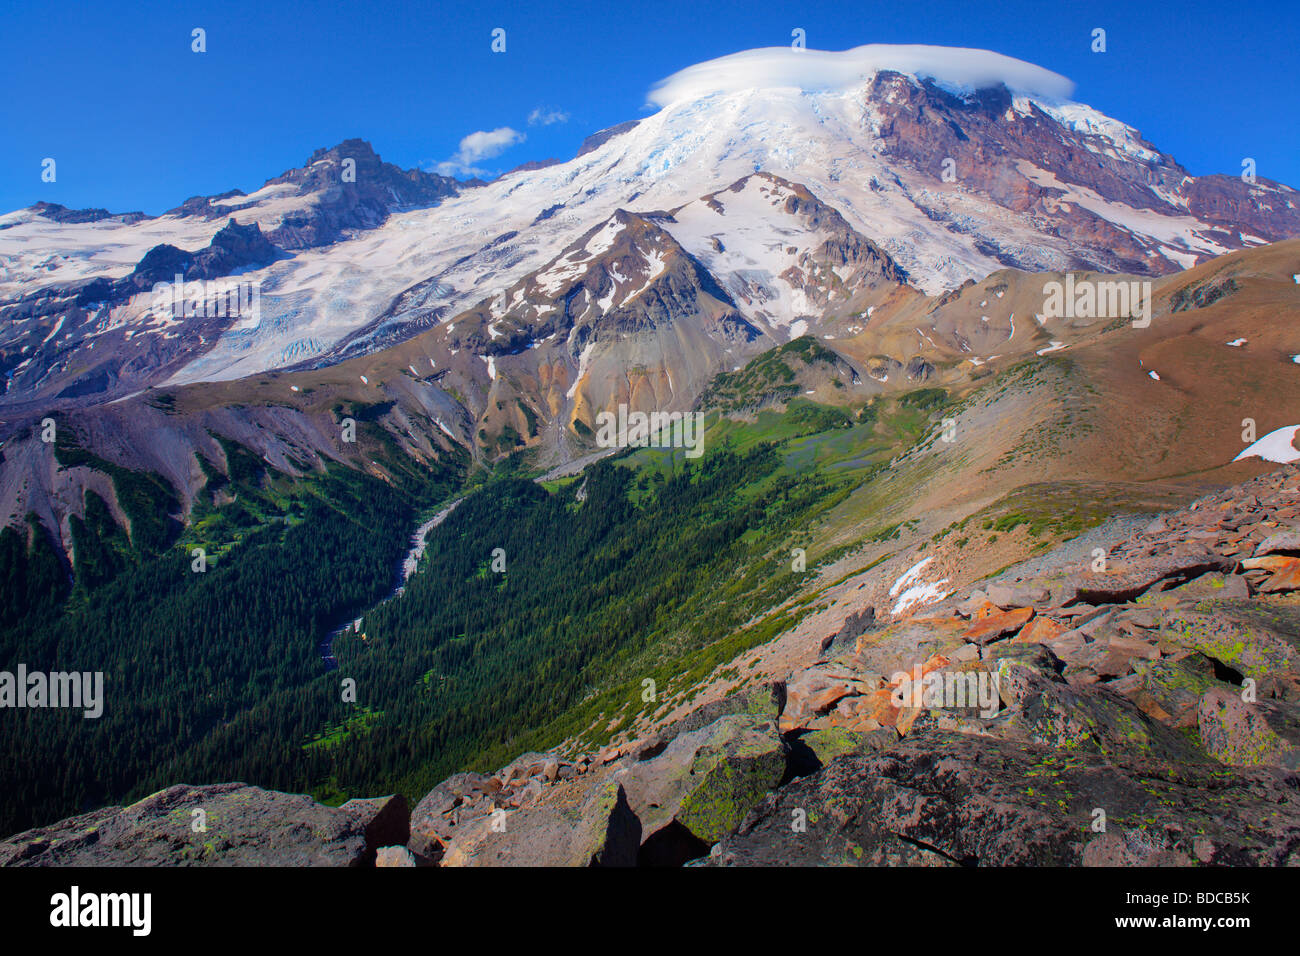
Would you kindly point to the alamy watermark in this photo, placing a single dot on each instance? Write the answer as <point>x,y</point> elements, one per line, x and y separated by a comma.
<point>626,429</point>
<point>947,690</point>
<point>75,909</point>
<point>82,690</point>
<point>228,298</point>
<point>1091,299</point>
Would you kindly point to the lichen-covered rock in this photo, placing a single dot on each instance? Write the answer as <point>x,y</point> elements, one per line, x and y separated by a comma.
<point>1253,638</point>
<point>707,780</point>
<point>1045,710</point>
<point>941,798</point>
<point>1249,733</point>
<point>228,824</point>
<point>1170,690</point>
<point>586,822</point>
<point>828,743</point>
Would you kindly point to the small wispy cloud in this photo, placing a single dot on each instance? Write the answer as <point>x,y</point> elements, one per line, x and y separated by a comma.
<point>477,146</point>
<point>541,117</point>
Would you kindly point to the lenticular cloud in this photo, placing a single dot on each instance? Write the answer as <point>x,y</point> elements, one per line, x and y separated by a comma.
<point>775,67</point>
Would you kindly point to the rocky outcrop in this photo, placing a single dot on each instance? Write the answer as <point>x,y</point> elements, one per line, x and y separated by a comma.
<point>664,801</point>
<point>361,200</point>
<point>944,798</point>
<point>704,781</point>
<point>229,824</point>
<point>62,214</point>
<point>600,138</point>
<point>233,247</point>
<point>1249,733</point>
<point>349,188</point>
<point>1026,159</point>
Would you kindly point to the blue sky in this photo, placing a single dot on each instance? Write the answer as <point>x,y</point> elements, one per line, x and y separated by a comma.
<point>135,120</point>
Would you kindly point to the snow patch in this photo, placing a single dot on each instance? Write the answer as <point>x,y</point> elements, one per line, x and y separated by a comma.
<point>910,575</point>
<point>1277,446</point>
<point>921,594</point>
<point>914,593</point>
<point>583,359</point>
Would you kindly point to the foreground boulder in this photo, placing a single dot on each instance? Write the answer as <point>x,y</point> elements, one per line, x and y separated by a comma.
<point>1251,733</point>
<point>942,799</point>
<point>565,826</point>
<point>667,808</point>
<point>245,826</point>
<point>705,781</point>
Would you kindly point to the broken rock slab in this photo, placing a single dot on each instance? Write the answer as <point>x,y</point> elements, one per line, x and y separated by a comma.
<point>945,799</point>
<point>586,822</point>
<point>245,826</point>
<point>706,781</point>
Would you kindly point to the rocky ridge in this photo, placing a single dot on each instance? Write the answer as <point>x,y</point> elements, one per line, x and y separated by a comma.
<point>1146,711</point>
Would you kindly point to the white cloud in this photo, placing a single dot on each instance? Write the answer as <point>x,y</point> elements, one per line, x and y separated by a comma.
<point>778,67</point>
<point>541,117</point>
<point>483,144</point>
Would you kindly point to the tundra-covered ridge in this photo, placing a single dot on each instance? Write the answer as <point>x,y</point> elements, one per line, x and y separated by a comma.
<point>1145,710</point>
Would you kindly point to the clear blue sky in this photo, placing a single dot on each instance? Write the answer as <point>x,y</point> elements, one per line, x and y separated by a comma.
<point>135,120</point>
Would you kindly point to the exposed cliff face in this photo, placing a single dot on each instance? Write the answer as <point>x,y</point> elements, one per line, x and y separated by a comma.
<point>339,189</point>
<point>1070,170</point>
<point>351,188</point>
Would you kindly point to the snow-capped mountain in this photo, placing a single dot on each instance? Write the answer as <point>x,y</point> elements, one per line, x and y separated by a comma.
<point>934,165</point>
<point>787,258</point>
<point>644,309</point>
